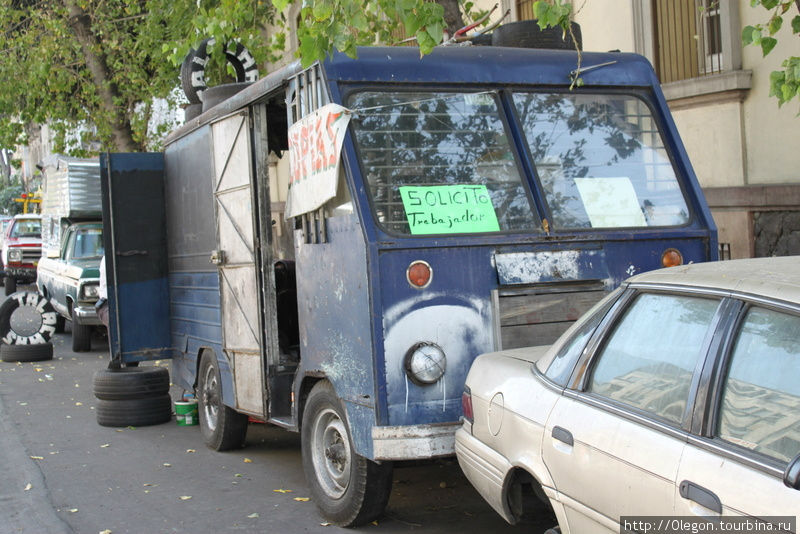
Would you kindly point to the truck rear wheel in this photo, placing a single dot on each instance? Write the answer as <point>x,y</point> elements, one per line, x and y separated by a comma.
<point>81,336</point>
<point>223,428</point>
<point>348,489</point>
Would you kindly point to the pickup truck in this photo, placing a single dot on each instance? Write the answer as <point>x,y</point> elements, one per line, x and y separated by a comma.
<point>70,278</point>
<point>21,250</point>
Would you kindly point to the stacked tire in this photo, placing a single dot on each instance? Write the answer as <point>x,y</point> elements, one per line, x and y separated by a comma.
<point>27,323</point>
<point>132,396</point>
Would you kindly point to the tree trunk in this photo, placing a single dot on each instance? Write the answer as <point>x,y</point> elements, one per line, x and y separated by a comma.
<point>452,15</point>
<point>121,132</point>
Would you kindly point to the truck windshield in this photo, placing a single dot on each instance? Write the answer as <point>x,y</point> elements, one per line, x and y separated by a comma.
<point>27,228</point>
<point>601,161</point>
<point>439,163</point>
<point>88,243</point>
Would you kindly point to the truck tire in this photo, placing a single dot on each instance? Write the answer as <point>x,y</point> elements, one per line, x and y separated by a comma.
<point>131,383</point>
<point>39,310</point>
<point>134,412</point>
<point>527,34</point>
<point>223,428</point>
<point>193,77</point>
<point>348,489</point>
<point>11,285</point>
<point>81,336</point>
<point>26,353</point>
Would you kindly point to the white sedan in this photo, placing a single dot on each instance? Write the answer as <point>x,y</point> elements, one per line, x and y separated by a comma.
<point>676,398</point>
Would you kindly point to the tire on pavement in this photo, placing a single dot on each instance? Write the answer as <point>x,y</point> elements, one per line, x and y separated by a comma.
<point>134,412</point>
<point>81,336</point>
<point>348,489</point>
<point>42,318</point>
<point>131,383</point>
<point>11,286</point>
<point>223,428</point>
<point>26,353</point>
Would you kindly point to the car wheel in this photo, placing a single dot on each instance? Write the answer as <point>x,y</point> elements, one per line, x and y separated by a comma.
<point>81,336</point>
<point>11,286</point>
<point>26,353</point>
<point>348,489</point>
<point>131,383</point>
<point>134,412</point>
<point>27,318</point>
<point>223,428</point>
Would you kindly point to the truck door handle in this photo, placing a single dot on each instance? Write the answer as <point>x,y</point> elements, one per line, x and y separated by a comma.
<point>563,435</point>
<point>700,495</point>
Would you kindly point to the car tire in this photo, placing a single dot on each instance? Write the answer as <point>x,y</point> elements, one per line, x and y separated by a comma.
<point>223,428</point>
<point>38,303</point>
<point>131,383</point>
<point>81,336</point>
<point>26,353</point>
<point>134,412</point>
<point>348,489</point>
<point>11,286</point>
<point>527,34</point>
<point>61,323</point>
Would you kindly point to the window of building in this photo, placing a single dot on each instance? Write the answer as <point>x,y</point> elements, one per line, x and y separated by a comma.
<point>687,39</point>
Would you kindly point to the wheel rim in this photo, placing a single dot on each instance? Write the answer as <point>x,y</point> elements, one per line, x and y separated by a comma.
<point>330,449</point>
<point>210,395</point>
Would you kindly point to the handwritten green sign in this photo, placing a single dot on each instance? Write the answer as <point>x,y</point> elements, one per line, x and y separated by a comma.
<point>449,209</point>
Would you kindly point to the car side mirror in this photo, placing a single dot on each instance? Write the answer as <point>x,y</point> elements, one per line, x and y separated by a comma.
<point>791,477</point>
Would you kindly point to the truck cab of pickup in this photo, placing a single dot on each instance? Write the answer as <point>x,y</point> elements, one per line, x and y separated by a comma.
<point>70,278</point>
<point>21,250</point>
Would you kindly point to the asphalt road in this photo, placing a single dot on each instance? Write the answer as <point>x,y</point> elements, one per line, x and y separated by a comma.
<point>60,472</point>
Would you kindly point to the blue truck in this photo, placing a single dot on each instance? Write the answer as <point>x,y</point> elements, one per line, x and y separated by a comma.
<point>434,209</point>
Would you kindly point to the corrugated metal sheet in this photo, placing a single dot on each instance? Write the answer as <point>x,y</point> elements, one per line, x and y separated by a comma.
<point>71,190</point>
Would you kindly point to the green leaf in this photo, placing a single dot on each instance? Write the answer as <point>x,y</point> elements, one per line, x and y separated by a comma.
<point>767,44</point>
<point>769,4</point>
<point>748,35</point>
<point>796,24</point>
<point>775,24</point>
<point>322,10</point>
<point>280,5</point>
<point>436,31</point>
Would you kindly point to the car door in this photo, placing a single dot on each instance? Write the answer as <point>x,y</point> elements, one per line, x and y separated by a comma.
<point>752,431</point>
<point>614,441</point>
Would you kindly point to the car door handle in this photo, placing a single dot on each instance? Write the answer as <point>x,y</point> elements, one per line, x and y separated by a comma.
<point>563,435</point>
<point>700,495</point>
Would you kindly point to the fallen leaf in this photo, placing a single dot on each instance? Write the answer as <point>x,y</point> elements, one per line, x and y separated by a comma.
<point>238,475</point>
<point>167,465</point>
<point>38,369</point>
<point>375,523</point>
<point>28,486</point>
<point>253,516</point>
<point>248,461</point>
<point>23,403</point>
<point>282,491</point>
<point>185,497</point>
<point>37,457</point>
<point>105,446</point>
<point>324,524</point>
<point>78,404</point>
<point>105,531</point>
<point>301,499</point>
<point>148,484</point>
<point>190,450</point>
<point>72,510</point>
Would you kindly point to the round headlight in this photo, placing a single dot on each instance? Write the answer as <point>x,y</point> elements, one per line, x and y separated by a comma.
<point>15,255</point>
<point>425,363</point>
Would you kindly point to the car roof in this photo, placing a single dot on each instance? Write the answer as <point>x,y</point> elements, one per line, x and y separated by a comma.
<point>776,277</point>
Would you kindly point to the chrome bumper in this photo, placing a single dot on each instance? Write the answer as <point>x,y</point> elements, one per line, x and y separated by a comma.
<point>86,315</point>
<point>413,442</point>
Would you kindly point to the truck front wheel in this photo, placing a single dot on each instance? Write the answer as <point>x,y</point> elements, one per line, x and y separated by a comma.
<point>223,428</point>
<point>348,489</point>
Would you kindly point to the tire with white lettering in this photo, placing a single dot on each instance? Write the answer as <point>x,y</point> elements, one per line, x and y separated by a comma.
<point>26,353</point>
<point>349,490</point>
<point>193,76</point>
<point>27,318</point>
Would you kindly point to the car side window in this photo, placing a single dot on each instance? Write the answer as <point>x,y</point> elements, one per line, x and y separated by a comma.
<point>649,359</point>
<point>760,403</point>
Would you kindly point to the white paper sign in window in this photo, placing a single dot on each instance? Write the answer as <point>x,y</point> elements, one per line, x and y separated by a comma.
<point>315,145</point>
<point>610,202</point>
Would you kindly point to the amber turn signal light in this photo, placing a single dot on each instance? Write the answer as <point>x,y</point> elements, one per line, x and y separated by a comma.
<point>419,274</point>
<point>671,258</point>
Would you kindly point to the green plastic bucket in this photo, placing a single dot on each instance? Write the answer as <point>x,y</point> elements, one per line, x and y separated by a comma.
<point>186,413</point>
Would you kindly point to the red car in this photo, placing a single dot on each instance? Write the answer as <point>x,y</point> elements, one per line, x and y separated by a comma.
<point>21,250</point>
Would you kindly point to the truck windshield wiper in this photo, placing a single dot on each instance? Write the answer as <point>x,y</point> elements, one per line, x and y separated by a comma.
<point>580,70</point>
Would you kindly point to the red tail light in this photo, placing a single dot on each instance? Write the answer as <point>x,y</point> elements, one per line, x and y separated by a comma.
<point>466,405</point>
